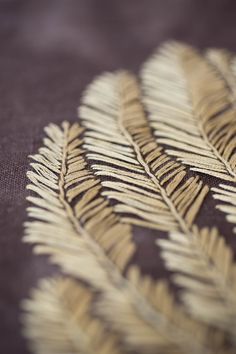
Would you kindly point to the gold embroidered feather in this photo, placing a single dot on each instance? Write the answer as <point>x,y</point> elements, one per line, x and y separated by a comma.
<point>191,111</point>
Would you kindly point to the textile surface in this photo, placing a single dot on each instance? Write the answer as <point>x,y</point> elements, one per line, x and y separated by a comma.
<point>50,50</point>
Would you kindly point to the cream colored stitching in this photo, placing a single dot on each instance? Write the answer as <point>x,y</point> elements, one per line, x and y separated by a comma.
<point>179,110</point>
<point>120,302</point>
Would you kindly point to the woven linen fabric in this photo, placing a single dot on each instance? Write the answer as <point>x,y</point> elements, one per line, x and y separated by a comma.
<point>50,52</point>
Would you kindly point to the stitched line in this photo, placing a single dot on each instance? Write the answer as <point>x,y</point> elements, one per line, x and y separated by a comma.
<point>128,136</point>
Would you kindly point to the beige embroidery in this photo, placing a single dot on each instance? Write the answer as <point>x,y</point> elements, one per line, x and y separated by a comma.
<point>58,318</point>
<point>225,64</point>
<point>79,247</point>
<point>206,272</point>
<point>190,110</point>
<point>227,195</point>
<point>90,185</point>
<point>162,198</point>
<point>59,177</point>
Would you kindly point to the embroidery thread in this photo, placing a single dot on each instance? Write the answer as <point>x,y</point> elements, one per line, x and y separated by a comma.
<point>190,110</point>
<point>93,182</point>
<point>86,239</point>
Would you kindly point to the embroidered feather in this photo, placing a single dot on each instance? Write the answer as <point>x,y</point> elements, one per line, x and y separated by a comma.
<point>68,200</point>
<point>90,186</point>
<point>189,102</point>
<point>205,270</point>
<point>86,239</point>
<point>190,110</point>
<point>148,186</point>
<point>225,65</point>
<point>61,317</point>
<point>58,320</point>
<point>227,196</point>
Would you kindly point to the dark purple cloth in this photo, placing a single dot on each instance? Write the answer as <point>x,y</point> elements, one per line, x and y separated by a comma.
<point>50,50</point>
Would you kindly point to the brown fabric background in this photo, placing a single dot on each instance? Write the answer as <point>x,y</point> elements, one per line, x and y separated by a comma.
<point>50,49</point>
